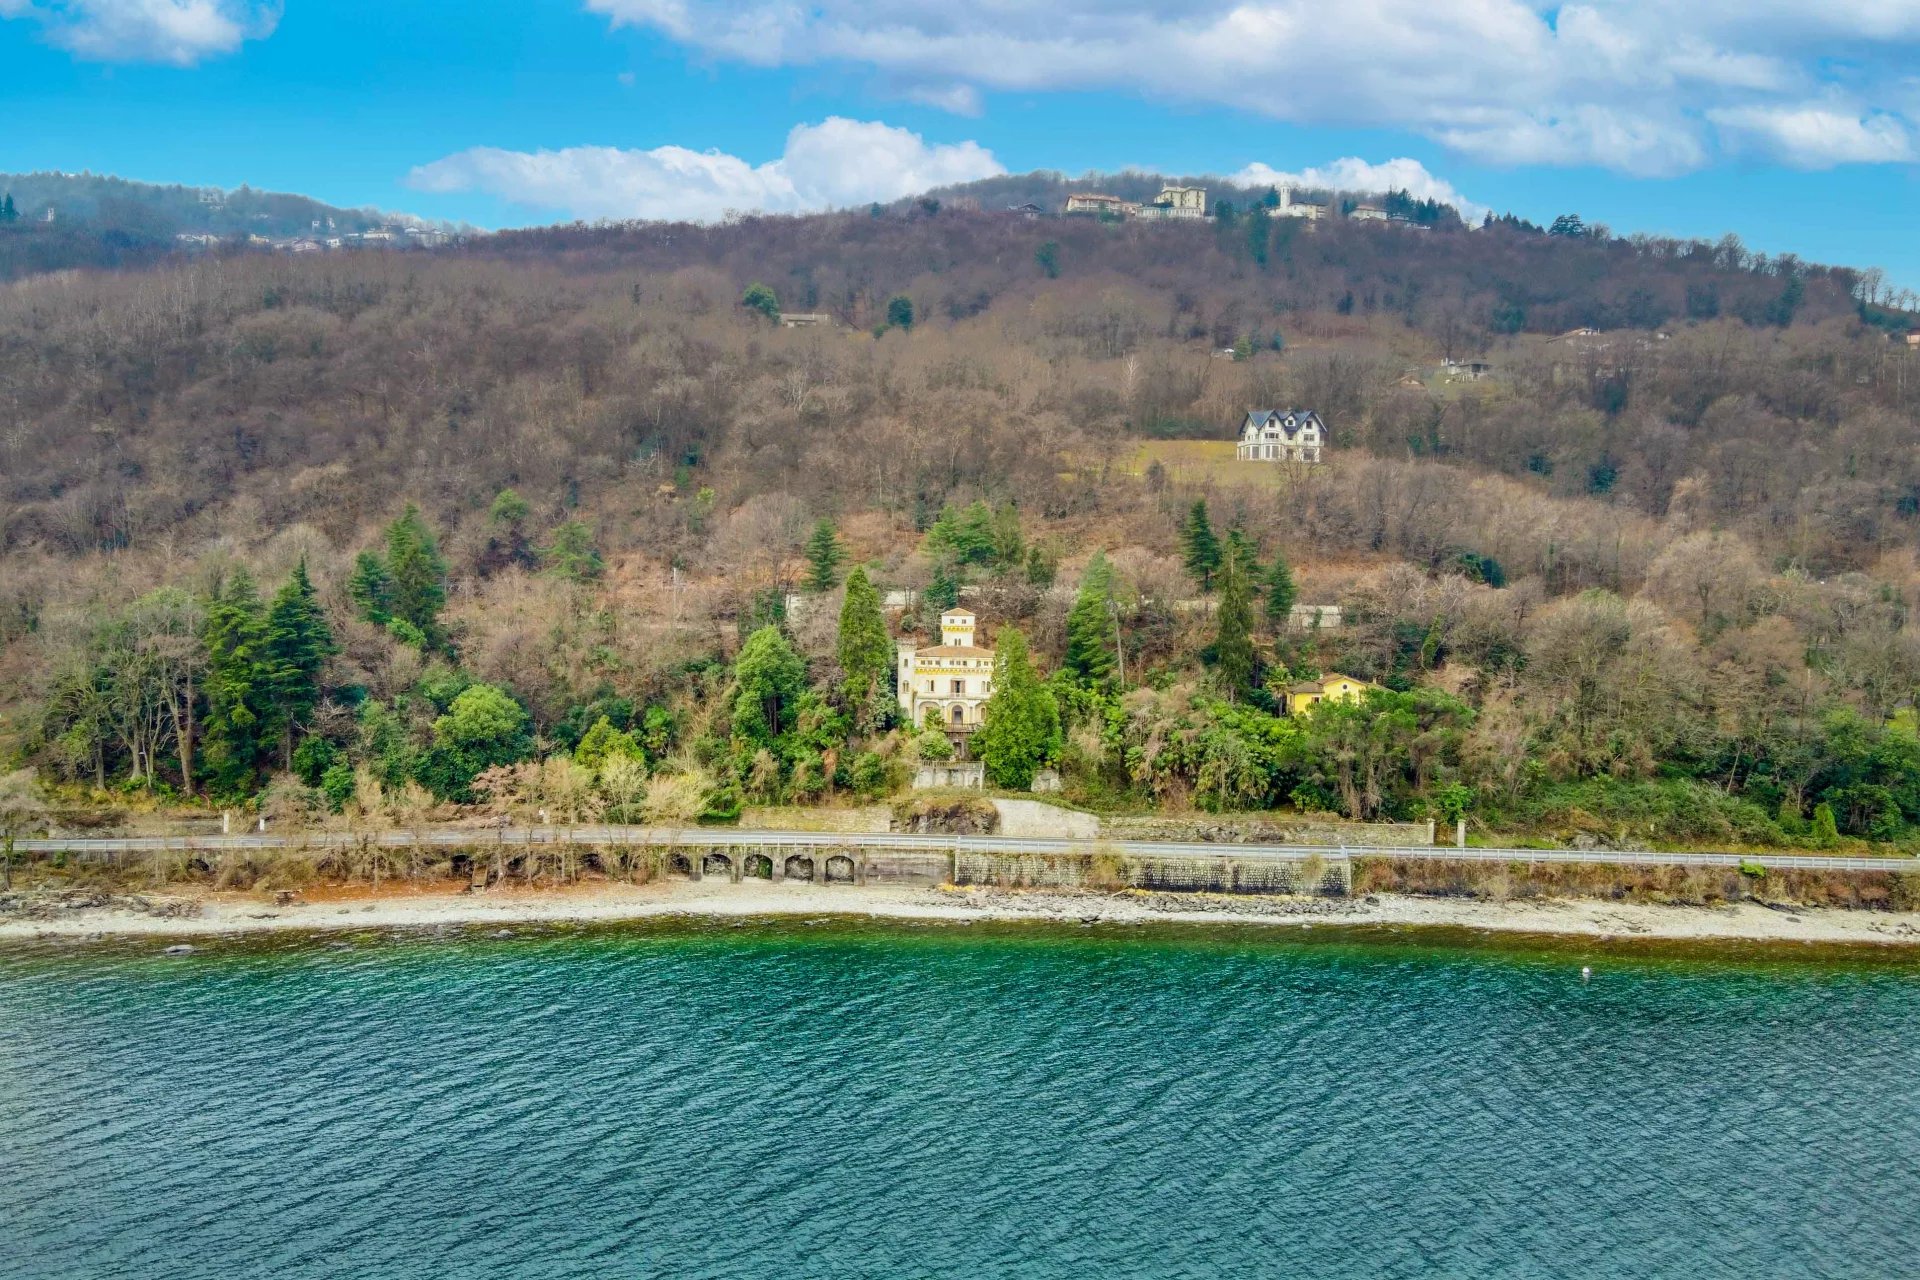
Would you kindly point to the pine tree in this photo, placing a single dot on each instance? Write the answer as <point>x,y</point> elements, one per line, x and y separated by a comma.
<point>238,703</point>
<point>1090,625</point>
<point>298,643</point>
<point>1200,547</point>
<point>1248,552</point>
<point>943,592</point>
<point>1233,643</point>
<point>866,650</point>
<point>1022,729</point>
<point>371,588</point>
<point>8,213</point>
<point>824,555</point>
<point>1281,592</point>
<point>418,574</point>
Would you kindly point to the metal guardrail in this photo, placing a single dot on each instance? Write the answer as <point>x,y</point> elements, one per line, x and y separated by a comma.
<point>732,837</point>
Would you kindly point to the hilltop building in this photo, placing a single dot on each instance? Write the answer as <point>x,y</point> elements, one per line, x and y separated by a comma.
<point>1095,203</point>
<point>948,683</point>
<point>1281,435</point>
<point>1310,210</point>
<point>1176,202</point>
<point>1332,687</point>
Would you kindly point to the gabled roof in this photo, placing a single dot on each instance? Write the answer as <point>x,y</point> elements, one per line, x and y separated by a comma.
<point>1290,421</point>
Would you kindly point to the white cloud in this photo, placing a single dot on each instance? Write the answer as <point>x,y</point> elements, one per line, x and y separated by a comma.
<point>180,33</point>
<point>1355,174</point>
<point>1635,85</point>
<point>832,164</point>
<point>1815,135</point>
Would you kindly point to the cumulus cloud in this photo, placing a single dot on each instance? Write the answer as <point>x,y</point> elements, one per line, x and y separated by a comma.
<point>1635,85</point>
<point>833,164</point>
<point>179,33</point>
<point>1355,174</point>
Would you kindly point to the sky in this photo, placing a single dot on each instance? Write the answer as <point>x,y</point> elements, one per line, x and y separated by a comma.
<point>1793,123</point>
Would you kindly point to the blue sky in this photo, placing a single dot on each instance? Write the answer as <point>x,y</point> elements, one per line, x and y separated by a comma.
<point>1793,124</point>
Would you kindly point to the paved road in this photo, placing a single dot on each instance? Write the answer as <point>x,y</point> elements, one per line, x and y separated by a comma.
<point>731,837</point>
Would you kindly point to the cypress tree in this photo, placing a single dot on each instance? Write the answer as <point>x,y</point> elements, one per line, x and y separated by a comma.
<point>417,573</point>
<point>1281,592</point>
<point>1200,547</point>
<point>866,650</point>
<point>238,702</point>
<point>298,643</point>
<point>824,555</point>
<point>1022,729</point>
<point>1233,644</point>
<point>1090,638</point>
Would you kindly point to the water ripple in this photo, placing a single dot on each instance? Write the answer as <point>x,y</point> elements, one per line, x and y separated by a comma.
<point>858,1101</point>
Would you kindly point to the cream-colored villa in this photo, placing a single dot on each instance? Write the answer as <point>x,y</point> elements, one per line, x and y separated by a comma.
<point>950,680</point>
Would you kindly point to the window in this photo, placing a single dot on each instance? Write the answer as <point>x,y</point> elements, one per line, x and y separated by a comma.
<point>929,686</point>
<point>959,687</point>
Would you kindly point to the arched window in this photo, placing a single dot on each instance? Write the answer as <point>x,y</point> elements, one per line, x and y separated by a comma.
<point>959,714</point>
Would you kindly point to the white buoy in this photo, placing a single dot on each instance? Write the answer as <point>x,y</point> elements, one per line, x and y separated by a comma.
<point>1586,973</point>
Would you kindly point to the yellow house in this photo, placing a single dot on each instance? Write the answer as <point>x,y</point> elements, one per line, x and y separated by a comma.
<point>951,680</point>
<point>1332,687</point>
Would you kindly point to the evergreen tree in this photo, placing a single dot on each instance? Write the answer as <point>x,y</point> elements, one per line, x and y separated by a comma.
<point>7,211</point>
<point>572,555</point>
<point>1200,547</point>
<point>298,644</point>
<point>603,742</point>
<point>417,573</point>
<point>1248,552</point>
<point>1233,643</point>
<point>824,556</point>
<point>866,650</point>
<point>1022,729</point>
<point>760,297</point>
<point>1090,625</point>
<point>973,536</point>
<point>237,686</point>
<point>942,593</point>
<point>1281,592</point>
<point>371,588</point>
<point>768,679</point>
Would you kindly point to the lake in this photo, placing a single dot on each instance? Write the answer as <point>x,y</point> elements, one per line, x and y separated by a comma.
<point>835,1098</point>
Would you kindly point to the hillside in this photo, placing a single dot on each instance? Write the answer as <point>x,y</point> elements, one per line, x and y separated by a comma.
<point>1653,582</point>
<point>102,221</point>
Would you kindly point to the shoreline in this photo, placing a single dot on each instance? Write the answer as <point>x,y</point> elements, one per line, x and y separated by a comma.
<point>211,914</point>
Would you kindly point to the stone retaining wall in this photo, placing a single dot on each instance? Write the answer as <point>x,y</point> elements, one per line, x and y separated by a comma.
<point>1325,876</point>
<point>1268,829</point>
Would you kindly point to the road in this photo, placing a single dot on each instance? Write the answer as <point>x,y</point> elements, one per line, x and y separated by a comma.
<point>731,837</point>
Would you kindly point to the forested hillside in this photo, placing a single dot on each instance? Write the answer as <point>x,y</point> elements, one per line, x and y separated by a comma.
<point>105,222</point>
<point>414,525</point>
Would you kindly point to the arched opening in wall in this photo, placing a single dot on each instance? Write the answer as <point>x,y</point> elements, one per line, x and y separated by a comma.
<point>716,864</point>
<point>679,864</point>
<point>799,868</point>
<point>959,714</point>
<point>839,869</point>
<point>759,866</point>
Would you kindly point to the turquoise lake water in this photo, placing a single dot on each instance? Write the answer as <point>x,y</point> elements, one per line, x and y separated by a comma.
<point>785,1100</point>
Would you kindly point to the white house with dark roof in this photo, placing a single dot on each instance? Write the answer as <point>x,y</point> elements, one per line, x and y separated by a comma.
<point>1281,435</point>
<point>950,681</point>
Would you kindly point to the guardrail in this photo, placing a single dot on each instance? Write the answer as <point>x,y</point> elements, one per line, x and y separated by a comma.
<point>733,837</point>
